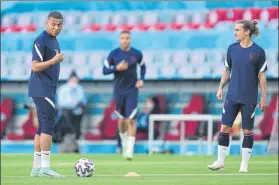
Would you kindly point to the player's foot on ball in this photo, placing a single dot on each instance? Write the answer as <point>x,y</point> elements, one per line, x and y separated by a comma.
<point>47,172</point>
<point>216,166</point>
<point>35,172</point>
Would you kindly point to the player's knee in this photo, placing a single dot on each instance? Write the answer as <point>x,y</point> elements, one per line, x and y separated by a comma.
<point>247,131</point>
<point>225,129</point>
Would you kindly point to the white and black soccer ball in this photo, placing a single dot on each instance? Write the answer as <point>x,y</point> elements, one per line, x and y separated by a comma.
<point>84,168</point>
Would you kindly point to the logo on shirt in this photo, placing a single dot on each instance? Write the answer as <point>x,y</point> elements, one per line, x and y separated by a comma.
<point>251,56</point>
<point>133,59</point>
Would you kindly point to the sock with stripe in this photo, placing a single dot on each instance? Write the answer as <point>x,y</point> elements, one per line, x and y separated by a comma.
<point>223,143</point>
<point>247,145</point>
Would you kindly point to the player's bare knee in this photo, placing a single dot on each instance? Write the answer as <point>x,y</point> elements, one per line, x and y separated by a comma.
<point>246,131</point>
<point>225,129</point>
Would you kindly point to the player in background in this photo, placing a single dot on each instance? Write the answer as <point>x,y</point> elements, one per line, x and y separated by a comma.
<point>123,62</point>
<point>42,88</point>
<point>245,68</point>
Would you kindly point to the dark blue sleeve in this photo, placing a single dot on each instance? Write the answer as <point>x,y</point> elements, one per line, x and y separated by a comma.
<point>109,67</point>
<point>228,60</point>
<point>262,65</point>
<point>142,66</point>
<point>38,50</point>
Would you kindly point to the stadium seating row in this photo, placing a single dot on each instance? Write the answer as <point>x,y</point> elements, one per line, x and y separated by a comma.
<point>138,20</point>
<point>193,104</point>
<point>25,6</point>
<point>143,40</point>
<point>185,64</point>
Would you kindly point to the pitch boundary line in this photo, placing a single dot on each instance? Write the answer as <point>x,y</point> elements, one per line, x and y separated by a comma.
<point>165,175</point>
<point>142,162</point>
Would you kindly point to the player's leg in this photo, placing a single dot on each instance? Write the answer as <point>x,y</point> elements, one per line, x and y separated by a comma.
<point>130,115</point>
<point>37,149</point>
<point>230,111</point>
<point>248,115</point>
<point>47,120</point>
<point>119,111</point>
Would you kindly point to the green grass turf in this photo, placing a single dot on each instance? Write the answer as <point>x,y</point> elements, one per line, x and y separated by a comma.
<point>154,170</point>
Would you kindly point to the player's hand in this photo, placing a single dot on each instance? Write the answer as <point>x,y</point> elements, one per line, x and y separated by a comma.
<point>219,94</point>
<point>139,84</point>
<point>263,104</point>
<point>59,57</point>
<point>122,66</point>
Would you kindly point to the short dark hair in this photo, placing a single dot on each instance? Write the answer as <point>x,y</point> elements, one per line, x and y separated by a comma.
<point>55,15</point>
<point>125,31</point>
<point>251,26</point>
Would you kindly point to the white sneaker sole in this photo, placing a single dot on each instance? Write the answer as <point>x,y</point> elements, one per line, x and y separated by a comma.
<point>215,169</point>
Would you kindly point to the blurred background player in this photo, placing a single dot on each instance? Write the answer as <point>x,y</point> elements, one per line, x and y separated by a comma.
<point>123,63</point>
<point>71,100</point>
<point>42,88</point>
<point>245,67</point>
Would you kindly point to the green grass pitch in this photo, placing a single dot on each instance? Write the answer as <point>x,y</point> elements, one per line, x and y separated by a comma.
<point>154,170</point>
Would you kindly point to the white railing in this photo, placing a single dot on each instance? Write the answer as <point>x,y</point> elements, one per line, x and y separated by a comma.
<point>182,117</point>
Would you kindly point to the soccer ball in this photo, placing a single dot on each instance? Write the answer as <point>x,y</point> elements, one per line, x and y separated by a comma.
<point>84,168</point>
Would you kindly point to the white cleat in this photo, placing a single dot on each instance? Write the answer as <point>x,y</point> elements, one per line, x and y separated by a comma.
<point>129,156</point>
<point>216,166</point>
<point>243,170</point>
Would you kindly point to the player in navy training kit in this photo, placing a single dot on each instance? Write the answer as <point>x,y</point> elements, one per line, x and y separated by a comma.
<point>245,67</point>
<point>42,88</point>
<point>123,63</point>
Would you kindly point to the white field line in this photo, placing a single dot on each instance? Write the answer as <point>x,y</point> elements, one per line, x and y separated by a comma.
<point>138,163</point>
<point>167,175</point>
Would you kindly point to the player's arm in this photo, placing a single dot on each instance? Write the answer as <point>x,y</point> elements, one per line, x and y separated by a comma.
<point>108,67</point>
<point>38,63</point>
<point>225,76</point>
<point>142,67</point>
<point>262,67</point>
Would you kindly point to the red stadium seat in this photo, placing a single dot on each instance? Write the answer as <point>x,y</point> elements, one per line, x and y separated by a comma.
<point>3,28</point>
<point>235,14</point>
<point>127,27</point>
<point>252,14</point>
<point>217,15</point>
<point>143,27</point>
<point>193,26</point>
<point>111,27</point>
<point>92,28</point>
<point>196,106</point>
<point>14,28</point>
<point>266,123</point>
<point>6,113</point>
<point>273,12</point>
<point>107,126</point>
<point>29,28</point>
<point>269,14</point>
<point>175,26</point>
<point>160,26</point>
<point>29,131</point>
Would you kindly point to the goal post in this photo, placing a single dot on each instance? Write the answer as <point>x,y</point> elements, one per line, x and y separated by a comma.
<point>182,117</point>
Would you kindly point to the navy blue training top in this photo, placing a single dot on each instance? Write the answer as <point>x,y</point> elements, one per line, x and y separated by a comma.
<point>44,83</point>
<point>245,65</point>
<point>124,81</point>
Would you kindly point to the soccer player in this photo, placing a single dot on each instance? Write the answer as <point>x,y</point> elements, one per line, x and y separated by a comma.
<point>245,67</point>
<point>123,63</point>
<point>42,88</point>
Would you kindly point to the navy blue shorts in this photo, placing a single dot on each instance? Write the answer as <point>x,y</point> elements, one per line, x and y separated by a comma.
<point>46,114</point>
<point>231,109</point>
<point>126,106</point>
